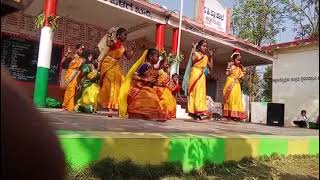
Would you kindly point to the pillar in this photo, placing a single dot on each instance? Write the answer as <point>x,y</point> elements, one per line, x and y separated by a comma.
<point>44,56</point>
<point>174,41</point>
<point>229,19</point>
<point>160,36</point>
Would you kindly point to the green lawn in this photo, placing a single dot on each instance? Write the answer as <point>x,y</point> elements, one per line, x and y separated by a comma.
<point>274,167</point>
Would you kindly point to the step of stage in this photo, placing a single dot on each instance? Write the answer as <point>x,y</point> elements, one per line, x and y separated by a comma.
<point>99,112</point>
<point>181,113</point>
<point>191,150</point>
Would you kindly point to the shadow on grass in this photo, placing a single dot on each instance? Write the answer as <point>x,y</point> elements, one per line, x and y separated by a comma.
<point>247,168</point>
<point>111,169</point>
<point>296,177</point>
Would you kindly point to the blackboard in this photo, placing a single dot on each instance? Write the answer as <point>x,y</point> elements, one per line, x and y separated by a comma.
<point>20,55</point>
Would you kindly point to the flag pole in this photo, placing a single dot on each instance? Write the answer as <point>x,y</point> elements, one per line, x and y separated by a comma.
<point>179,110</point>
<point>179,35</point>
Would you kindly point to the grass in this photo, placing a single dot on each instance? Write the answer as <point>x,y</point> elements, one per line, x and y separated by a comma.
<point>273,167</point>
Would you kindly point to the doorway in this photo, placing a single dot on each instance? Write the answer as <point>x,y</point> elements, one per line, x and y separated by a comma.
<point>212,88</point>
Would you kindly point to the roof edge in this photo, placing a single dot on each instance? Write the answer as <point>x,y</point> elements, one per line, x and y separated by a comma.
<point>158,9</point>
<point>291,44</point>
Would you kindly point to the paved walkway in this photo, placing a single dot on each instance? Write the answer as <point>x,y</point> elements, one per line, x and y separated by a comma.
<point>63,120</point>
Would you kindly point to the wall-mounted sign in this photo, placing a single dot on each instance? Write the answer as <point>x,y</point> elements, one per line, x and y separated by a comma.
<point>295,79</point>
<point>215,15</point>
<point>137,8</point>
<point>129,5</point>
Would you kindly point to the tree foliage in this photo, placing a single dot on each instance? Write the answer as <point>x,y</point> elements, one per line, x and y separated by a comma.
<point>251,84</point>
<point>267,84</point>
<point>258,21</point>
<point>305,16</point>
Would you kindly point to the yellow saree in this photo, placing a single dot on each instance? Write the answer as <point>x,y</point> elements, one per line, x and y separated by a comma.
<point>197,85</point>
<point>111,79</point>
<point>71,78</point>
<point>233,107</point>
<point>167,100</point>
<point>89,90</point>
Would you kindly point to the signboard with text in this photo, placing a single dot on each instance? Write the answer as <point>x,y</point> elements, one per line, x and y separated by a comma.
<point>215,15</point>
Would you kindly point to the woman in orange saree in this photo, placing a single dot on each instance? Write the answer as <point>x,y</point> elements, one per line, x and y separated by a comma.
<point>167,100</point>
<point>142,99</point>
<point>111,71</point>
<point>233,107</point>
<point>197,105</point>
<point>71,78</point>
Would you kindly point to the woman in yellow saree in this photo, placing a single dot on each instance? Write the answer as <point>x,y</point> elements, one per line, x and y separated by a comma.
<point>87,95</point>
<point>111,71</point>
<point>140,100</point>
<point>233,107</point>
<point>167,100</point>
<point>71,78</point>
<point>197,105</point>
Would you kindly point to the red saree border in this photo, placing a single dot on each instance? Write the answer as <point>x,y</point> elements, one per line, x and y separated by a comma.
<point>197,60</point>
<point>200,112</point>
<point>234,114</point>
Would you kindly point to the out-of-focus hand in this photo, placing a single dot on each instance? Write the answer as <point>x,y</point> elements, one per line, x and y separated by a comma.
<point>211,52</point>
<point>26,131</point>
<point>194,45</point>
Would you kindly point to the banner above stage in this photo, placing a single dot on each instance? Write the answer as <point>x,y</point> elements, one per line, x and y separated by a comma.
<point>215,15</point>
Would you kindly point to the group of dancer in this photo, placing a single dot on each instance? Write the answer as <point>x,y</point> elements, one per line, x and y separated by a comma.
<point>147,91</point>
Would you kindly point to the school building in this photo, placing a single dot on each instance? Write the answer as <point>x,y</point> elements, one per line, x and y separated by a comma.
<point>149,25</point>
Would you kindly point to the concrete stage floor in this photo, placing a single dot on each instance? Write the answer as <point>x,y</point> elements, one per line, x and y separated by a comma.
<point>71,121</point>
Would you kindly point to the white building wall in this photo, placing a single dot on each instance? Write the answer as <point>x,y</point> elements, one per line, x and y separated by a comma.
<point>259,112</point>
<point>296,81</point>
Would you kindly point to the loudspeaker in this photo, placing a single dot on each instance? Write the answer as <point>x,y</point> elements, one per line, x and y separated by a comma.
<point>275,114</point>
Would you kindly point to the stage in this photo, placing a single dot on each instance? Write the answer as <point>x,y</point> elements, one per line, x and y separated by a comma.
<point>86,138</point>
<point>71,121</point>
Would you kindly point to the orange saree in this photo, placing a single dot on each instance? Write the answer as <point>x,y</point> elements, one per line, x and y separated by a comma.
<point>142,100</point>
<point>167,100</point>
<point>71,78</point>
<point>111,79</point>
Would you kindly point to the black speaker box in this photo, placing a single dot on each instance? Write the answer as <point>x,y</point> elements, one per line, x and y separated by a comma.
<point>275,114</point>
